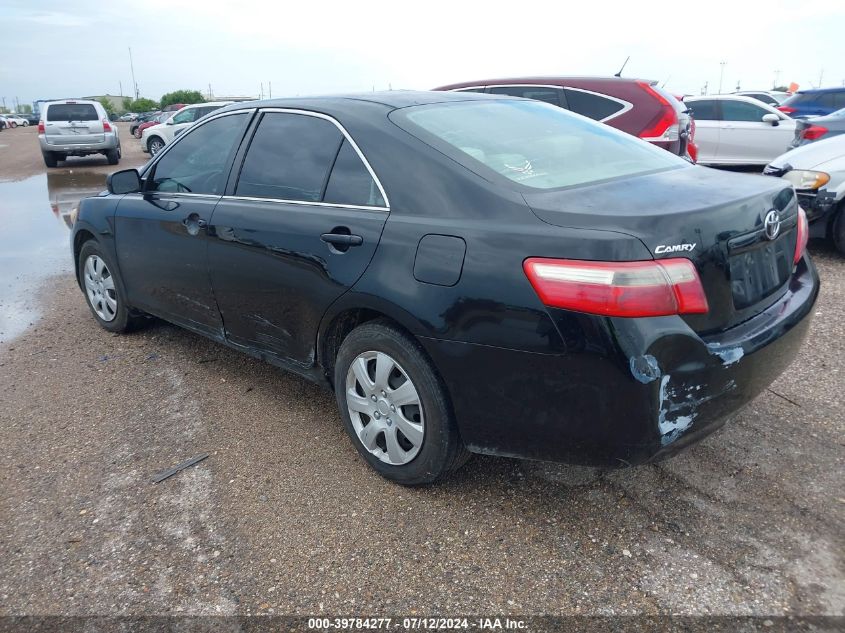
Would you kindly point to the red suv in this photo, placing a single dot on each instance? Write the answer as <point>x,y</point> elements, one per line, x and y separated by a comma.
<point>635,106</point>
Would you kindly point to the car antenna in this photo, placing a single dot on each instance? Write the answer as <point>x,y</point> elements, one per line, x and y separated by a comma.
<point>619,74</point>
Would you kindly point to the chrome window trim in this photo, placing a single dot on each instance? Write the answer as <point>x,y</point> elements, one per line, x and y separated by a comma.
<point>358,207</point>
<point>348,137</point>
<point>626,105</point>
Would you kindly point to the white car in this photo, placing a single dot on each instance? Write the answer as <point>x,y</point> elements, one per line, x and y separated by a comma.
<point>817,171</point>
<point>13,120</point>
<point>154,138</point>
<point>737,130</point>
<point>772,97</point>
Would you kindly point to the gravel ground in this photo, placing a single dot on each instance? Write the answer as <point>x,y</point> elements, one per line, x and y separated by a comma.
<point>284,518</point>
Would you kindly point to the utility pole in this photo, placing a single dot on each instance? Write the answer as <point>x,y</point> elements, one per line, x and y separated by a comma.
<point>120,83</point>
<point>270,89</point>
<point>737,86</point>
<point>821,74</point>
<point>132,68</point>
<point>721,75</point>
<point>704,89</point>
<point>777,79</point>
<point>262,90</point>
<point>209,91</point>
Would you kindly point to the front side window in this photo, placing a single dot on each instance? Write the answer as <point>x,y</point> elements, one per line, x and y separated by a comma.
<point>705,110</point>
<point>592,105</point>
<point>289,158</point>
<point>199,161</point>
<point>350,182</point>
<point>186,116</point>
<point>548,95</point>
<point>741,111</point>
<point>72,112</point>
<point>531,144</point>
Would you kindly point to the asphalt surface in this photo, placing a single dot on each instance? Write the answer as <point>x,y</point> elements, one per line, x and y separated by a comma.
<point>283,517</point>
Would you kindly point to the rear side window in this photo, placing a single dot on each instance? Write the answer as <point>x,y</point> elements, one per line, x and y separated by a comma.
<point>480,89</point>
<point>741,111</point>
<point>350,182</point>
<point>801,98</point>
<point>538,93</point>
<point>833,100</point>
<point>531,144</point>
<point>72,112</point>
<point>704,110</point>
<point>289,158</point>
<point>592,105</point>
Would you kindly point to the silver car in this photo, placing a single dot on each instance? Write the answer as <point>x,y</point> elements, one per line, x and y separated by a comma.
<point>75,127</point>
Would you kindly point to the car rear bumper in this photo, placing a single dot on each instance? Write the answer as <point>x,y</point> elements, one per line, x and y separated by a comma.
<point>627,391</point>
<point>54,144</point>
<point>819,207</point>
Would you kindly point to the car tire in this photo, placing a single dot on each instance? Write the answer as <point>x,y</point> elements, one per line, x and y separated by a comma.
<point>113,156</point>
<point>155,145</point>
<point>12,124</point>
<point>136,133</point>
<point>838,229</point>
<point>432,447</point>
<point>50,159</point>
<point>104,291</point>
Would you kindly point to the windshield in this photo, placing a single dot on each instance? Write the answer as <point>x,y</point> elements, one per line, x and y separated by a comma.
<point>531,143</point>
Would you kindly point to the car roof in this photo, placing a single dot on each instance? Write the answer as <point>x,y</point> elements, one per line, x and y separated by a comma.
<point>731,97</point>
<point>391,99</point>
<point>820,90</point>
<point>73,101</point>
<point>541,79</point>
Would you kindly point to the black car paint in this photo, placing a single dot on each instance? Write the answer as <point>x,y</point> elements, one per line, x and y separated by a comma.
<point>524,380</point>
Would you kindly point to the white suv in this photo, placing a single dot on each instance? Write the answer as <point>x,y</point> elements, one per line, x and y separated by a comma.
<point>76,127</point>
<point>154,138</point>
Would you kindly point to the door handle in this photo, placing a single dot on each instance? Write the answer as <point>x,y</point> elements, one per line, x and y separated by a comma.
<point>342,240</point>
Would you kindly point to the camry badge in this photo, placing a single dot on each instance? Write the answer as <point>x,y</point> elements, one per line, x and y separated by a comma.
<point>771,225</point>
<point>674,248</point>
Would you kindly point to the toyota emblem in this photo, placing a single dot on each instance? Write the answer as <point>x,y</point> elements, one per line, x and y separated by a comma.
<point>771,225</point>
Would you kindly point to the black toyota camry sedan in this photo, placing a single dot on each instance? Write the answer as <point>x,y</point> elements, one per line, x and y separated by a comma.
<point>467,272</point>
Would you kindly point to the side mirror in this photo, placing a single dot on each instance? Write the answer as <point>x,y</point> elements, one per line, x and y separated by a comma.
<point>169,122</point>
<point>772,118</point>
<point>124,181</point>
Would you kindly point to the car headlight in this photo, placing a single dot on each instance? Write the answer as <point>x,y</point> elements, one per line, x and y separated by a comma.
<point>73,215</point>
<point>806,179</point>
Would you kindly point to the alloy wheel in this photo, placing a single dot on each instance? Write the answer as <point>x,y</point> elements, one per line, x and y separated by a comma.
<point>99,287</point>
<point>156,146</point>
<point>385,408</point>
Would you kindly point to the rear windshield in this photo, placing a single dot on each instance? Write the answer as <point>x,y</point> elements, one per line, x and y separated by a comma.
<point>531,143</point>
<point>71,112</point>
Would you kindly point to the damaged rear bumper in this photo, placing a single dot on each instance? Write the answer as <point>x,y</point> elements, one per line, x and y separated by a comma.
<point>627,391</point>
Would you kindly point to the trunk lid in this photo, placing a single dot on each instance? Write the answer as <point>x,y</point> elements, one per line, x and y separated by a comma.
<point>715,219</point>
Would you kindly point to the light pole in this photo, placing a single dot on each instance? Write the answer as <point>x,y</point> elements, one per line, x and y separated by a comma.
<point>721,75</point>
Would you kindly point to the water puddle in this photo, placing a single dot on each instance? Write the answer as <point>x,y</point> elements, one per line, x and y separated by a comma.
<point>36,220</point>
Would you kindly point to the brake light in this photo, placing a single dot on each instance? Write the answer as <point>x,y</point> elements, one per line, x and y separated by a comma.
<point>665,125</point>
<point>106,126</point>
<point>803,236</point>
<point>813,132</point>
<point>41,127</point>
<point>786,109</point>
<point>623,289</point>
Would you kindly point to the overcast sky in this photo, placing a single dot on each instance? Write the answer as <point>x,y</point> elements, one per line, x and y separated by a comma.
<point>52,49</point>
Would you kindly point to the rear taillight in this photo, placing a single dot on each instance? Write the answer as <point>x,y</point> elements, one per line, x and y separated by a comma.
<point>41,127</point>
<point>665,125</point>
<point>786,109</point>
<point>813,132</point>
<point>623,289</point>
<point>106,126</point>
<point>803,235</point>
